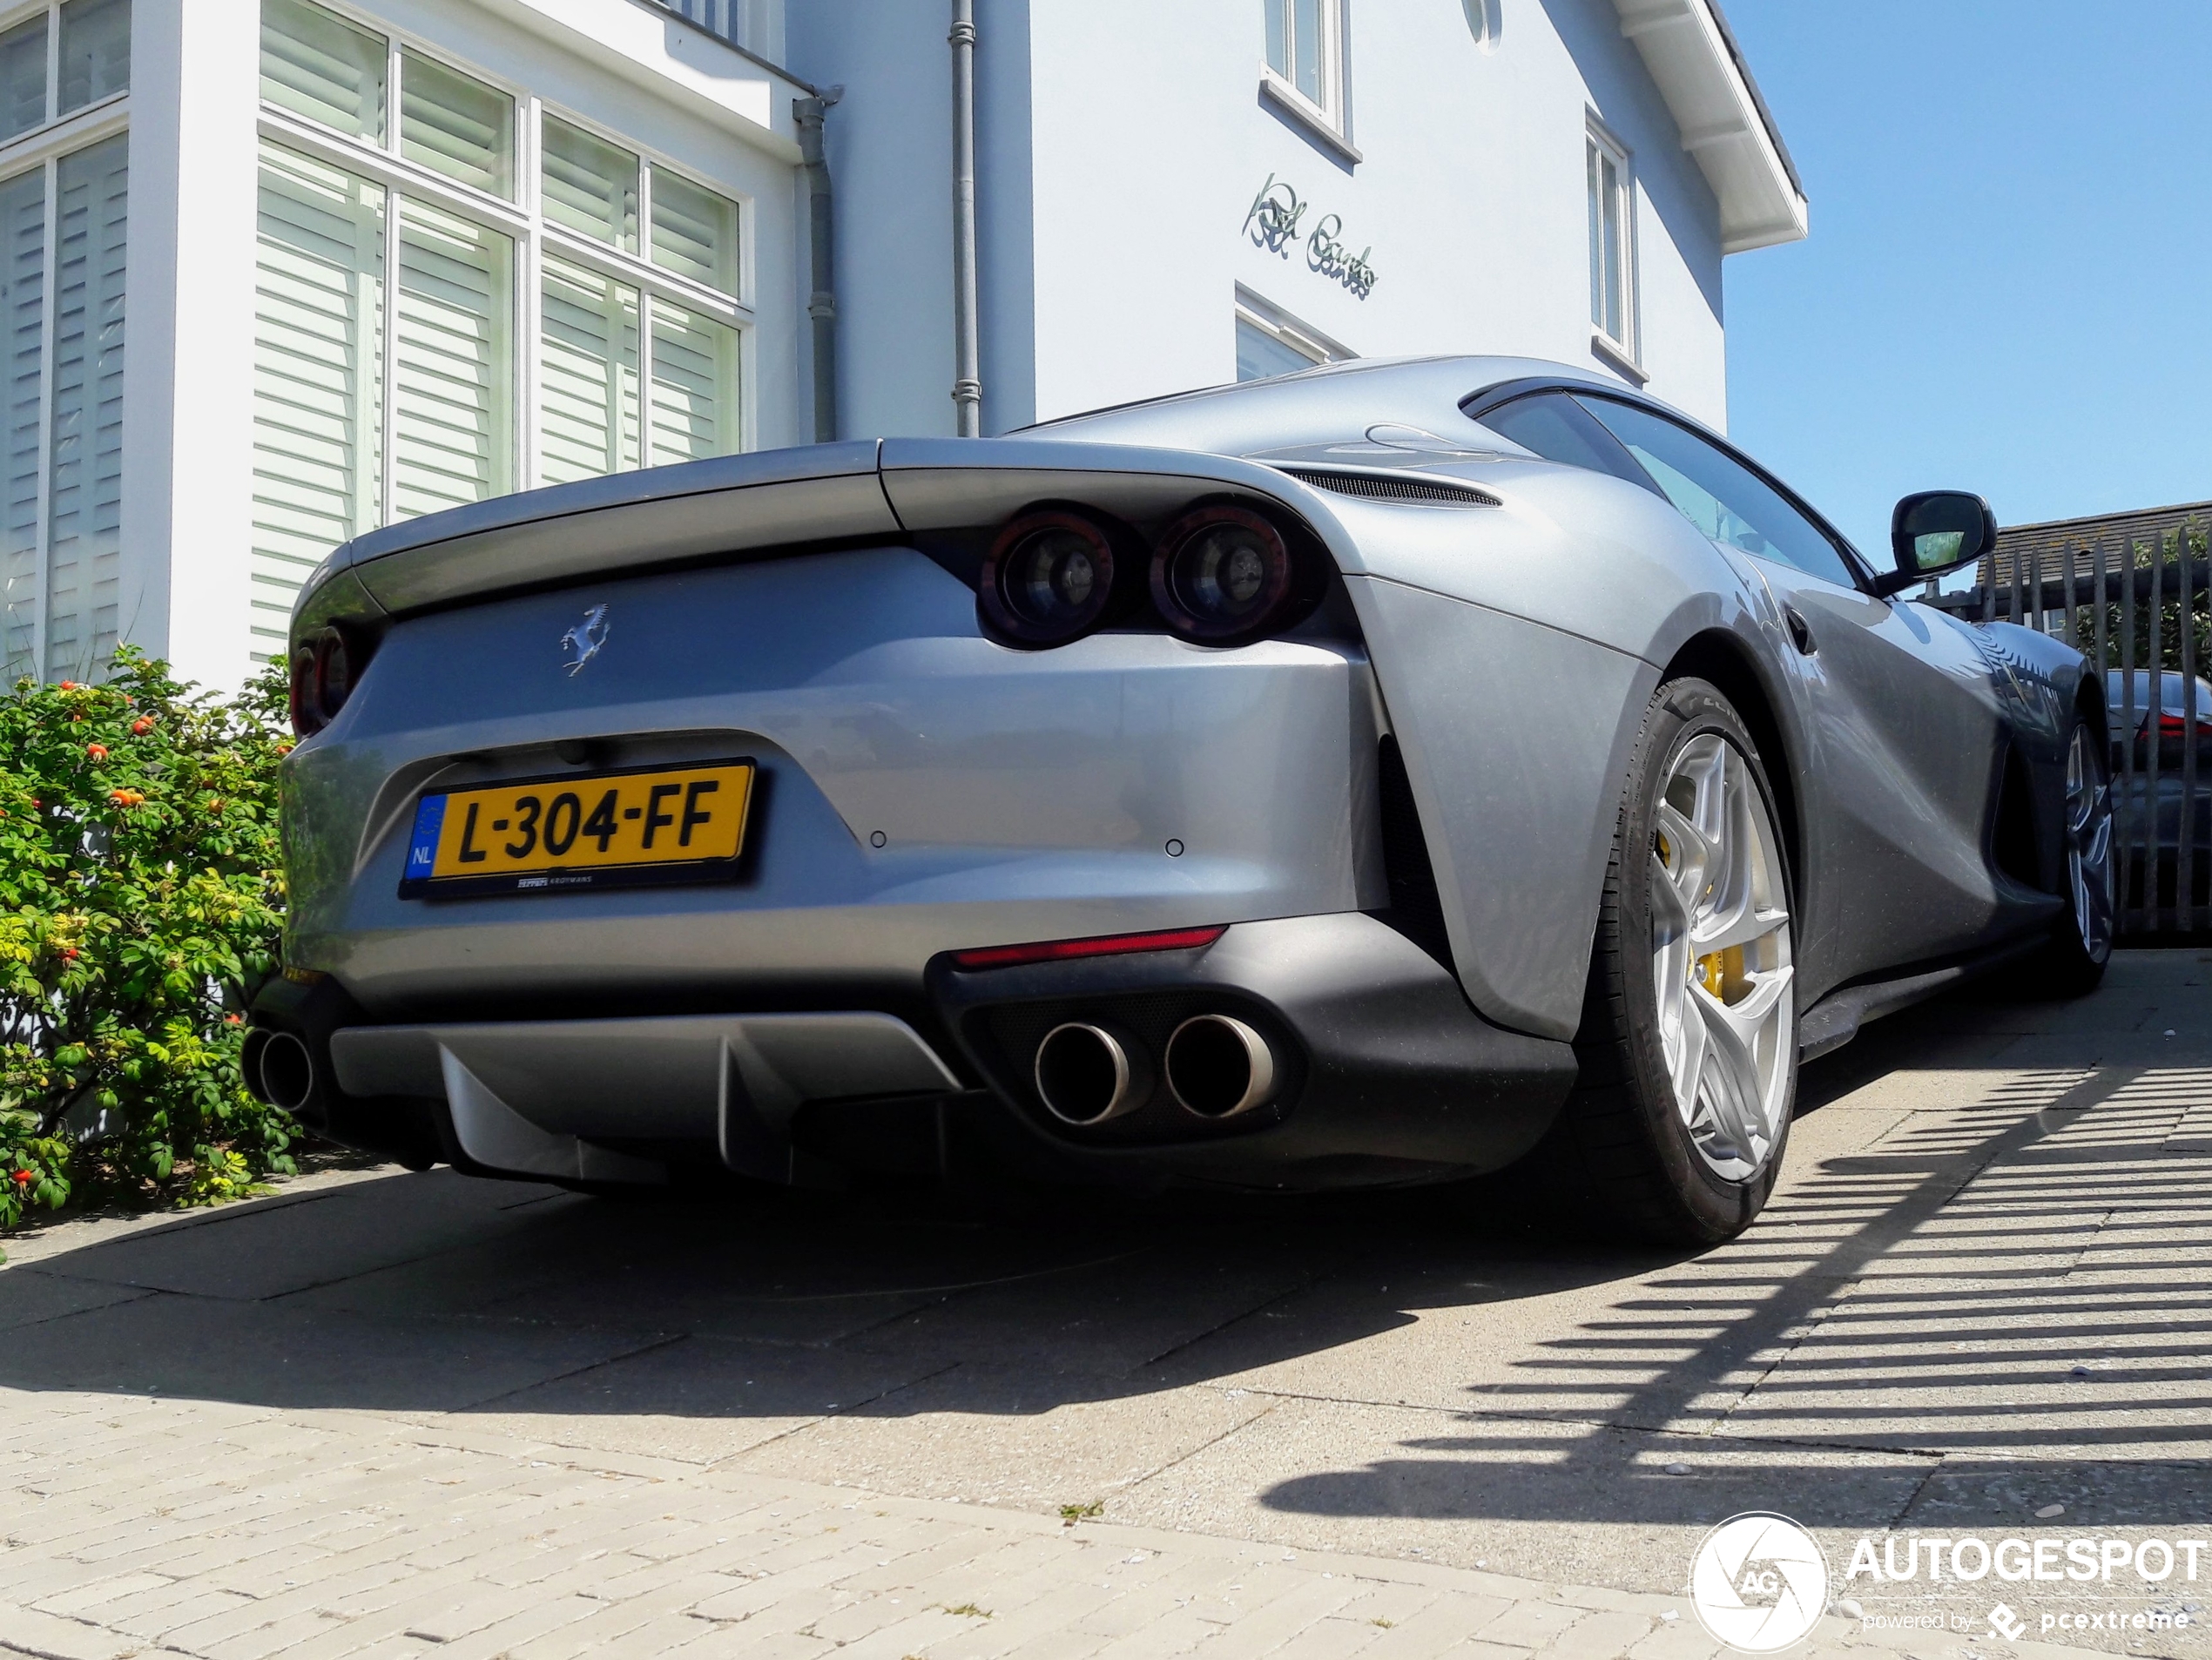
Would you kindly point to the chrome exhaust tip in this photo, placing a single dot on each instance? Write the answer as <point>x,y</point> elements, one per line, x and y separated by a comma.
<point>1087,1073</point>
<point>284,1071</point>
<point>1218,1067</point>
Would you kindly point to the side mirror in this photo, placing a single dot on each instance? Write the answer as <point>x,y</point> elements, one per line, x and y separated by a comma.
<point>1936,531</point>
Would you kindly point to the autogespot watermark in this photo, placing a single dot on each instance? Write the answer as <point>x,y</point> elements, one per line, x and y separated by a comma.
<point>1759,1583</point>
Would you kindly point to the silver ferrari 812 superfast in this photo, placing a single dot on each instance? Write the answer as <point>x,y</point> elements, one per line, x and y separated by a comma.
<point>1379,774</point>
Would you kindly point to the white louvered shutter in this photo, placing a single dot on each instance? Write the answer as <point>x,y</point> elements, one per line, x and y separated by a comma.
<point>454,381</point>
<point>22,317</point>
<point>695,232</point>
<point>695,386</point>
<point>456,125</point>
<point>589,185</point>
<point>316,64</point>
<point>587,419</point>
<point>23,77</point>
<point>318,415</point>
<point>84,494</point>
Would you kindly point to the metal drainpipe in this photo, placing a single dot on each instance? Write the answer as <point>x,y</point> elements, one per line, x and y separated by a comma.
<point>821,305</point>
<point>967,386</point>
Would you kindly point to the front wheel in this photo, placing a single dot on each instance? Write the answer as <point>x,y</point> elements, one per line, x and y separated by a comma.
<point>1688,1046</point>
<point>2074,964</point>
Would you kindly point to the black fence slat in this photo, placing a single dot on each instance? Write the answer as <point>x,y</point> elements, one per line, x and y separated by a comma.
<point>2130,887</point>
<point>2186,828</point>
<point>2154,865</point>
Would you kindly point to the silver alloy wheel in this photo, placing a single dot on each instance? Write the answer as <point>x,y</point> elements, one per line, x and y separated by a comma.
<point>2088,843</point>
<point>1720,957</point>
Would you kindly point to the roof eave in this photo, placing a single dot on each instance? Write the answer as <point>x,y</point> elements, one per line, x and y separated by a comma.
<point>1725,126</point>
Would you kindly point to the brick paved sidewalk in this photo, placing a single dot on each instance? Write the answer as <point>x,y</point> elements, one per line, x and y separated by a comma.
<point>134,1526</point>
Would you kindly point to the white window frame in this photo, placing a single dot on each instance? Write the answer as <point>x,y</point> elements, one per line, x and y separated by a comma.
<point>1331,112</point>
<point>42,148</point>
<point>1618,275</point>
<point>1278,325</point>
<point>534,235</point>
<point>13,18</point>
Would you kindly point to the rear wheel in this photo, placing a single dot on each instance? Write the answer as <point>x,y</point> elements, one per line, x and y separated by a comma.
<point>1688,1046</point>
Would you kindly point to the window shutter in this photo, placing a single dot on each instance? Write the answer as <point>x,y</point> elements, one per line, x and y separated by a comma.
<point>454,378</point>
<point>587,419</point>
<point>457,124</point>
<point>23,308</point>
<point>317,416</point>
<point>695,382</point>
<point>316,64</point>
<point>695,232</point>
<point>23,77</point>
<point>85,495</point>
<point>590,186</point>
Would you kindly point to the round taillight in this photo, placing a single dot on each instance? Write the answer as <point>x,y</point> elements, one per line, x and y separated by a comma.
<point>323,670</point>
<point>306,718</point>
<point>1049,577</point>
<point>1221,575</point>
<point>333,674</point>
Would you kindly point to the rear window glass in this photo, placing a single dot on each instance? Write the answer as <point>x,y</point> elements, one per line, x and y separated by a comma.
<point>1558,428</point>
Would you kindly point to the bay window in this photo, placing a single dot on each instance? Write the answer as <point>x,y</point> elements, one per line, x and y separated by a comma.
<point>65,176</point>
<point>462,293</point>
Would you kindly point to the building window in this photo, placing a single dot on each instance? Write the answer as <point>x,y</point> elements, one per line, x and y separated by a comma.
<point>462,293</point>
<point>1305,55</point>
<point>1613,246</point>
<point>1272,341</point>
<point>63,248</point>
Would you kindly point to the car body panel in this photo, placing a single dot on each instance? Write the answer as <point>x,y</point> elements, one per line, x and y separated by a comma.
<point>926,789</point>
<point>1019,795</point>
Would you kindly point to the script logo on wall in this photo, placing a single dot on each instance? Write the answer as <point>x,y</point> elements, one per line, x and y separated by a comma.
<point>1272,223</point>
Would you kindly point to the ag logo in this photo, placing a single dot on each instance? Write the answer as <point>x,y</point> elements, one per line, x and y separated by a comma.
<point>1758,1582</point>
<point>582,642</point>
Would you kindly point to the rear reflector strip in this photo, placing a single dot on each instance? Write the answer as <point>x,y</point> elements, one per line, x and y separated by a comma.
<point>1103,945</point>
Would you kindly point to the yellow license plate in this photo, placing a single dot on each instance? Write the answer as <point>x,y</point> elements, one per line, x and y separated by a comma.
<point>672,824</point>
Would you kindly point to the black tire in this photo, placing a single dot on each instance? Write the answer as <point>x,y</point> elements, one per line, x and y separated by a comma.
<point>2073,964</point>
<point>1620,1149</point>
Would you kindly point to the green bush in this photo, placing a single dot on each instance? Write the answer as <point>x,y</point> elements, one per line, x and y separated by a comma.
<point>140,905</point>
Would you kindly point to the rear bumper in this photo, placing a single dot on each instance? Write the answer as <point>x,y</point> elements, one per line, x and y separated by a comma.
<point>1386,1074</point>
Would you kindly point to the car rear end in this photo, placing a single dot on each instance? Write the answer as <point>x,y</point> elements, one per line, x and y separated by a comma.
<point>871,807</point>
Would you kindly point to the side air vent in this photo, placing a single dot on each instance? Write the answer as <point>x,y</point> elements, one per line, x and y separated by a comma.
<point>1383,486</point>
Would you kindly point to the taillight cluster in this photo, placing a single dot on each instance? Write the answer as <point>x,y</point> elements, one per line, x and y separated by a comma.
<point>1220,574</point>
<point>324,667</point>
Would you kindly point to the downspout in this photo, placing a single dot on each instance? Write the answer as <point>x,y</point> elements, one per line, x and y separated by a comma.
<point>821,305</point>
<point>967,385</point>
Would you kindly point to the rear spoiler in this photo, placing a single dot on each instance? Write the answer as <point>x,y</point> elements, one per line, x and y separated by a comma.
<point>769,501</point>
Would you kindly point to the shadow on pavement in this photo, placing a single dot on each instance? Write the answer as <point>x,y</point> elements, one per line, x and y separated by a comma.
<point>1987,1281</point>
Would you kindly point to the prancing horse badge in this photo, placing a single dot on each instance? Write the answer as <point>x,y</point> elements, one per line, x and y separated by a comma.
<point>586,638</point>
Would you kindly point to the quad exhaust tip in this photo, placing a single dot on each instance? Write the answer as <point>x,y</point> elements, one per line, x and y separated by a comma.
<point>1087,1073</point>
<point>279,1068</point>
<point>1218,1067</point>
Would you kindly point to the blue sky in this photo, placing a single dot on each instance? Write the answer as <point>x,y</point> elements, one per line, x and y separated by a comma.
<point>2008,285</point>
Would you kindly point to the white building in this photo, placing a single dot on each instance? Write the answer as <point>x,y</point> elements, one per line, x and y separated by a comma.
<point>277,271</point>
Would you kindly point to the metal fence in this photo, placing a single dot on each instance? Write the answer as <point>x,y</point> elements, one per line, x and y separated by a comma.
<point>2142,608</point>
